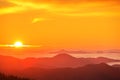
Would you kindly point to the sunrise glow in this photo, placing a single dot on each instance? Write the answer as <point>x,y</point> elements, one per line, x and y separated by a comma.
<point>18,44</point>
<point>59,39</point>
<point>60,24</point>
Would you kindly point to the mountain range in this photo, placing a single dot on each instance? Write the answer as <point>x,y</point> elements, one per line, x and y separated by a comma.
<point>100,71</point>
<point>85,51</point>
<point>9,64</point>
<point>60,67</point>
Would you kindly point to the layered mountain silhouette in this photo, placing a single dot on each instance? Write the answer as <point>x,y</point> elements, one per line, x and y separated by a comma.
<point>84,51</point>
<point>60,67</point>
<point>116,65</point>
<point>100,71</point>
<point>70,51</point>
<point>8,63</point>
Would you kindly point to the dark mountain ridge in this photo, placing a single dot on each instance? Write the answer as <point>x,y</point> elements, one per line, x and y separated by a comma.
<point>89,72</point>
<point>10,77</point>
<point>9,63</point>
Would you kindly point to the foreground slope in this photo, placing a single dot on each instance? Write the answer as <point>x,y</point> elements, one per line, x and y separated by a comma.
<point>89,72</point>
<point>6,77</point>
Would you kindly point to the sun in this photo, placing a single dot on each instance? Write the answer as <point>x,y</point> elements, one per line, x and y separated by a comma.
<point>18,44</point>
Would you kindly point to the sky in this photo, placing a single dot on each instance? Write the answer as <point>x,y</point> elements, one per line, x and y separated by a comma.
<point>61,24</point>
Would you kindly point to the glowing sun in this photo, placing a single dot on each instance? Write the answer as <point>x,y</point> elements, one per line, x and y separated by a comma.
<point>18,44</point>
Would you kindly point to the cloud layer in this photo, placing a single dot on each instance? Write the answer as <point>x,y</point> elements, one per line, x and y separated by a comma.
<point>68,1</point>
<point>63,7</point>
<point>4,4</point>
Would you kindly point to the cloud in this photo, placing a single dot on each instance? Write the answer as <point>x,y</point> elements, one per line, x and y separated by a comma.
<point>11,6</point>
<point>66,7</point>
<point>67,1</point>
<point>36,20</point>
<point>6,7</point>
<point>93,14</point>
<point>9,10</point>
<point>4,4</point>
<point>30,5</point>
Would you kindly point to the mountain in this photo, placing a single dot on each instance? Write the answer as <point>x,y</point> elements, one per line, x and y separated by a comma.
<point>63,55</point>
<point>11,64</point>
<point>8,63</point>
<point>112,51</point>
<point>60,67</point>
<point>86,51</point>
<point>70,51</point>
<point>100,71</point>
<point>116,65</point>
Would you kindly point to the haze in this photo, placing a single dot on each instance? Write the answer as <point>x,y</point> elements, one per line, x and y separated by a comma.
<point>61,24</point>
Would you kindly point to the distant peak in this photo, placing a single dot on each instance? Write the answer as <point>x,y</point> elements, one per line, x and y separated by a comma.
<point>103,64</point>
<point>98,65</point>
<point>63,55</point>
<point>62,51</point>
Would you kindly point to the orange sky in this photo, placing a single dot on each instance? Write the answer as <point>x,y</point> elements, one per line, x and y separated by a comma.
<point>69,24</point>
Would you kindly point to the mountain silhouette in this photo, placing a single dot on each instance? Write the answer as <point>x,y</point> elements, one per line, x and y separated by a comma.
<point>63,51</point>
<point>11,64</point>
<point>100,71</point>
<point>116,65</point>
<point>64,56</point>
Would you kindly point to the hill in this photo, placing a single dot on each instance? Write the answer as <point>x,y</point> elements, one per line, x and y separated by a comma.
<point>89,72</point>
<point>11,64</point>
